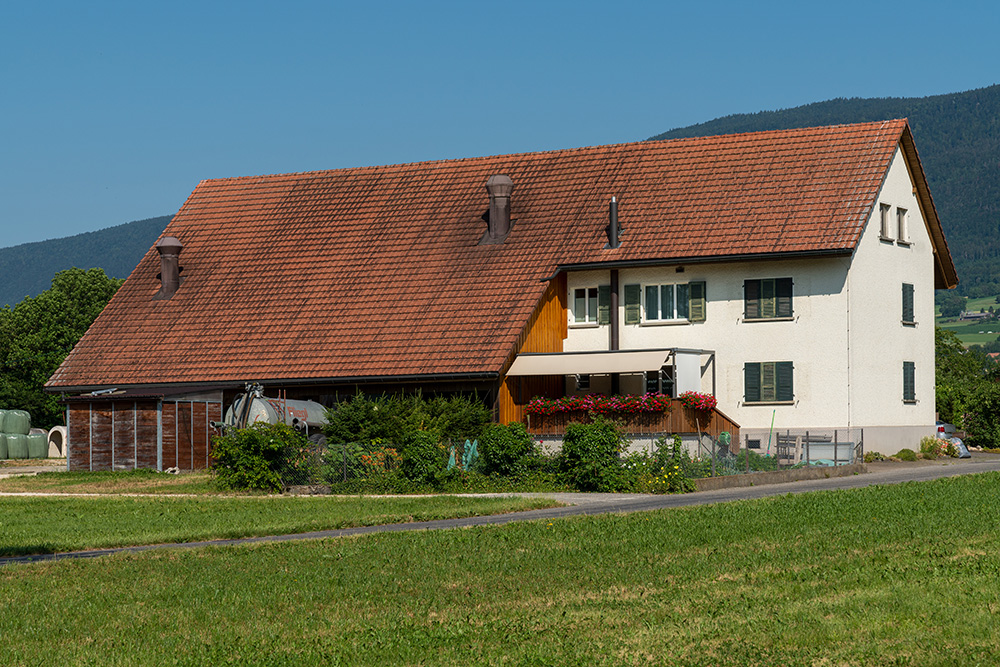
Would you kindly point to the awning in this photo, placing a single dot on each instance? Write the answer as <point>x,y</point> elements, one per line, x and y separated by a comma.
<point>589,363</point>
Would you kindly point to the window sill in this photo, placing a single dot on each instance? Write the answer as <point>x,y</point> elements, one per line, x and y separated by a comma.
<point>769,319</point>
<point>663,323</point>
<point>909,402</point>
<point>904,243</point>
<point>908,324</point>
<point>585,325</point>
<point>768,402</point>
<point>886,239</point>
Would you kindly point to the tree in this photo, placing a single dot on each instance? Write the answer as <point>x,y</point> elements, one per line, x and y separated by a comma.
<point>951,304</point>
<point>38,333</point>
<point>958,374</point>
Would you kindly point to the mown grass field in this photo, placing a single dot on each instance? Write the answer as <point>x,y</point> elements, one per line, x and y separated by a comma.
<point>898,575</point>
<point>117,482</point>
<point>974,333</point>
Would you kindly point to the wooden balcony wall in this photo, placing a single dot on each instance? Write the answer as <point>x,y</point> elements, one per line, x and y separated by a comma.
<point>678,420</point>
<point>545,332</point>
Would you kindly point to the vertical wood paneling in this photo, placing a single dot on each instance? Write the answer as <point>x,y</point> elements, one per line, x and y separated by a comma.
<point>145,429</point>
<point>78,437</point>
<point>123,442</point>
<point>101,434</point>
<point>545,332</point>
<point>185,444</point>
<point>169,435</point>
<point>199,436</point>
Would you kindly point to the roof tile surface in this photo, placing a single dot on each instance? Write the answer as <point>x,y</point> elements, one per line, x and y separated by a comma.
<point>378,271</point>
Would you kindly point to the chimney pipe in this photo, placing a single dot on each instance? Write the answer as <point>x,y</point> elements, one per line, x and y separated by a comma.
<point>170,270</point>
<point>613,230</point>
<point>499,187</point>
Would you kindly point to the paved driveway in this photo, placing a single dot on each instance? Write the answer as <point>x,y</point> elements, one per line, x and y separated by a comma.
<point>605,503</point>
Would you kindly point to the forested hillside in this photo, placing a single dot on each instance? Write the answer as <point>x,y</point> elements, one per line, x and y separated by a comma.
<point>27,270</point>
<point>958,138</point>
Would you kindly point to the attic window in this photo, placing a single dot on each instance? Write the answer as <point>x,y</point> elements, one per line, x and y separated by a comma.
<point>901,226</point>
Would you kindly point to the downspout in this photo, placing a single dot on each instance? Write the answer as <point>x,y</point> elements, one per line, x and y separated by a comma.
<point>613,344</point>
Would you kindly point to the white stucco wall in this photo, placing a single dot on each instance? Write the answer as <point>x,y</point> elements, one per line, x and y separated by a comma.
<point>846,338</point>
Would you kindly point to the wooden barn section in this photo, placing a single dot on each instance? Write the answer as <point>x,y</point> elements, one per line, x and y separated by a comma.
<point>125,431</point>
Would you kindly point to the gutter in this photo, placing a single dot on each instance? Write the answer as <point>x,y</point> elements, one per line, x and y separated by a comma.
<point>715,259</point>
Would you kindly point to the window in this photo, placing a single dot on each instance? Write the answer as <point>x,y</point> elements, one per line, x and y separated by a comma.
<point>592,305</point>
<point>665,303</point>
<point>901,225</point>
<point>885,233</point>
<point>767,299</point>
<point>583,382</point>
<point>767,382</point>
<point>661,381</point>
<point>909,382</point>
<point>908,304</point>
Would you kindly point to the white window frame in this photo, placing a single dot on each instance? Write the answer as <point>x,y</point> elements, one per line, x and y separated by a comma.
<point>659,301</point>
<point>591,293</point>
<point>885,221</point>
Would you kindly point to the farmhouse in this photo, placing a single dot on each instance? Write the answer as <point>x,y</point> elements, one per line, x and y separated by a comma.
<point>790,273</point>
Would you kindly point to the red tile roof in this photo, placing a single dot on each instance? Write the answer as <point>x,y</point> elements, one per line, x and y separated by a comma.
<point>378,271</point>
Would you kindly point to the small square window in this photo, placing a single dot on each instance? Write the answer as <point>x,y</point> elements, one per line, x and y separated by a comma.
<point>585,305</point>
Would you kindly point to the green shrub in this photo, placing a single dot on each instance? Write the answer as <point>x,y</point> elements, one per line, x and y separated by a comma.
<point>506,450</point>
<point>589,460</point>
<point>931,447</point>
<point>871,457</point>
<point>262,457</point>
<point>906,455</point>
<point>423,458</point>
<point>982,421</point>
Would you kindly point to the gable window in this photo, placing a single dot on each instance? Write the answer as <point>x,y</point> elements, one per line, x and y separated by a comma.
<point>909,382</point>
<point>908,304</point>
<point>768,382</point>
<point>681,302</point>
<point>885,232</point>
<point>767,299</point>
<point>592,305</point>
<point>901,230</point>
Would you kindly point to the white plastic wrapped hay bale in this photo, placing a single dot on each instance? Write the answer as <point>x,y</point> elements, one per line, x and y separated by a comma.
<point>17,422</point>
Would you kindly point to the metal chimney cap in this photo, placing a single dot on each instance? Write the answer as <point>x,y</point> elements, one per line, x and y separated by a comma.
<point>499,185</point>
<point>169,245</point>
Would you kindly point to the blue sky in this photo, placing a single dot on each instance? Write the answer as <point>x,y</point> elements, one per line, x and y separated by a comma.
<point>113,111</point>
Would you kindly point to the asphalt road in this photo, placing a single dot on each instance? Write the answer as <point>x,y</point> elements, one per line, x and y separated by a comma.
<point>598,503</point>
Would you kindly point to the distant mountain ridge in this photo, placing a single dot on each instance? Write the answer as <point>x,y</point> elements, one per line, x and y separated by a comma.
<point>958,139</point>
<point>27,270</point>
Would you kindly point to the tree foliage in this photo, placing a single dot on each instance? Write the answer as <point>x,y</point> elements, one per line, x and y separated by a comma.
<point>38,333</point>
<point>959,373</point>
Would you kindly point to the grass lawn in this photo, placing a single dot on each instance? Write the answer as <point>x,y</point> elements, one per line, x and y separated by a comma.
<point>132,481</point>
<point>898,575</point>
<point>31,525</point>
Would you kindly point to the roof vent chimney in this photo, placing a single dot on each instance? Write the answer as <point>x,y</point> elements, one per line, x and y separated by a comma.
<point>170,270</point>
<point>498,224</point>
<point>614,229</point>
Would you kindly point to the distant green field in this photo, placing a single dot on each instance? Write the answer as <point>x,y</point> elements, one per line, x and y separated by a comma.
<point>973,333</point>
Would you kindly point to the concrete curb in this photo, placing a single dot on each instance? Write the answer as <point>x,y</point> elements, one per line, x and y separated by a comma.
<point>778,477</point>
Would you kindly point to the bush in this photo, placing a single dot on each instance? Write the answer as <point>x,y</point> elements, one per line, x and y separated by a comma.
<point>906,455</point>
<point>423,458</point>
<point>931,447</point>
<point>263,457</point>
<point>871,457</point>
<point>506,450</point>
<point>589,458</point>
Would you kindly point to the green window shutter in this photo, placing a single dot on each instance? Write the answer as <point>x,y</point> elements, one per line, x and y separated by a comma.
<point>653,302</point>
<point>767,305</point>
<point>633,304</point>
<point>696,309</point>
<point>909,381</point>
<point>783,374</point>
<point>751,383</point>
<point>751,299</point>
<point>604,304</point>
<point>783,297</point>
<point>907,303</point>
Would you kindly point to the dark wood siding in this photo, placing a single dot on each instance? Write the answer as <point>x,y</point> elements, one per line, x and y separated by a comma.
<point>184,436</point>
<point>169,435</point>
<point>123,420</point>
<point>78,437</point>
<point>101,434</point>
<point>199,435</point>
<point>146,431</point>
